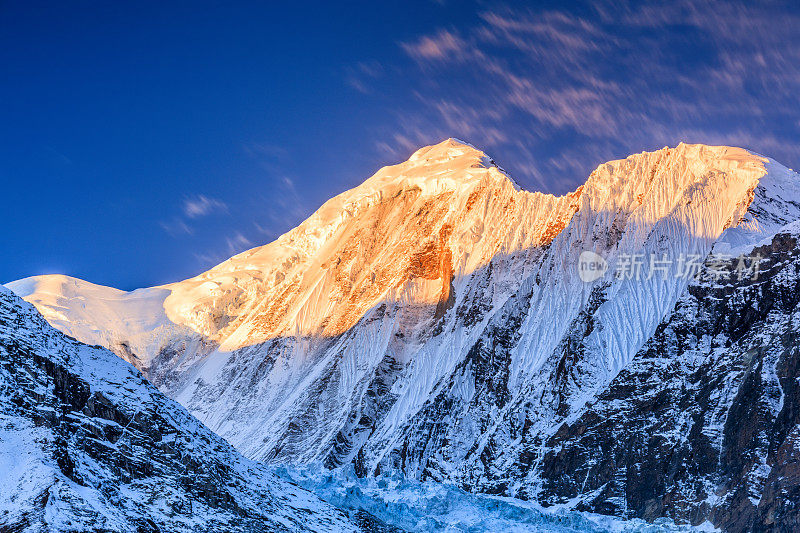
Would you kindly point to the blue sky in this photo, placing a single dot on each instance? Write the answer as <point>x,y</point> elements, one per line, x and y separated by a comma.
<point>143,143</point>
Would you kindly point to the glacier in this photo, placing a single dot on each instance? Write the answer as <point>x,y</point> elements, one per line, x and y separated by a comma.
<point>423,507</point>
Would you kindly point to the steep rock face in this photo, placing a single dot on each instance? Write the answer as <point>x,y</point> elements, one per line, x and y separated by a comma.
<point>555,342</point>
<point>703,424</point>
<point>432,320</point>
<point>86,444</point>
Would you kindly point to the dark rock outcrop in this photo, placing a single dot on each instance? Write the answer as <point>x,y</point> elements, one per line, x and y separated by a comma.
<point>87,444</point>
<point>703,424</point>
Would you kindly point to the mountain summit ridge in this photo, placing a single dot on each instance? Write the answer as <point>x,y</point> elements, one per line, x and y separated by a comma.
<point>432,320</point>
<point>448,179</point>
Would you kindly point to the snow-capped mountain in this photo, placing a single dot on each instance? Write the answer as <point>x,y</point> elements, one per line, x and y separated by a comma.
<point>87,444</point>
<point>434,321</point>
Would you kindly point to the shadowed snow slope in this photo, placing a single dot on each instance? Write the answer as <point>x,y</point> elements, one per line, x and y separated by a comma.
<point>86,444</point>
<point>432,319</point>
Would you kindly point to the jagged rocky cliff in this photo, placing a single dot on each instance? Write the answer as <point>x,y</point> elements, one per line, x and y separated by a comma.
<point>705,420</point>
<point>433,321</point>
<point>87,444</point>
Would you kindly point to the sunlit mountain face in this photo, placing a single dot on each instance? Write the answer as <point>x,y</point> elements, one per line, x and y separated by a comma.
<point>475,266</point>
<point>434,323</point>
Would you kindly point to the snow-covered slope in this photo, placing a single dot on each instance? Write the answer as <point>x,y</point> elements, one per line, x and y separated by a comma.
<point>86,444</point>
<point>130,324</point>
<point>432,320</point>
<point>704,422</point>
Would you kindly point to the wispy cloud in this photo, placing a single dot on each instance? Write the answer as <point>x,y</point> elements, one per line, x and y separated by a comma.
<point>284,208</point>
<point>362,76</point>
<point>208,260</point>
<point>281,206</point>
<point>192,209</point>
<point>200,206</point>
<point>237,243</point>
<point>176,227</point>
<point>272,205</point>
<point>443,45</point>
<point>551,93</point>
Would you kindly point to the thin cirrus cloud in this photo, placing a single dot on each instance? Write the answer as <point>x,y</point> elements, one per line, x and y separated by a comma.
<point>200,206</point>
<point>283,205</point>
<point>237,243</point>
<point>553,93</point>
<point>234,244</point>
<point>192,208</point>
<point>176,227</point>
<point>443,45</point>
<point>274,209</point>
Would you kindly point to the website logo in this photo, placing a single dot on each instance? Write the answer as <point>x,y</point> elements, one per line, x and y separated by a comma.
<point>591,266</point>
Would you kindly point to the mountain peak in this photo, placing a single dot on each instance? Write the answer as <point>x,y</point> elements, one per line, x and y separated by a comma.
<point>404,233</point>
<point>445,150</point>
<point>448,165</point>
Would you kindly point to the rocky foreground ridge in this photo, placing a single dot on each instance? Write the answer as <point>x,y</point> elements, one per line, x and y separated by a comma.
<point>87,444</point>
